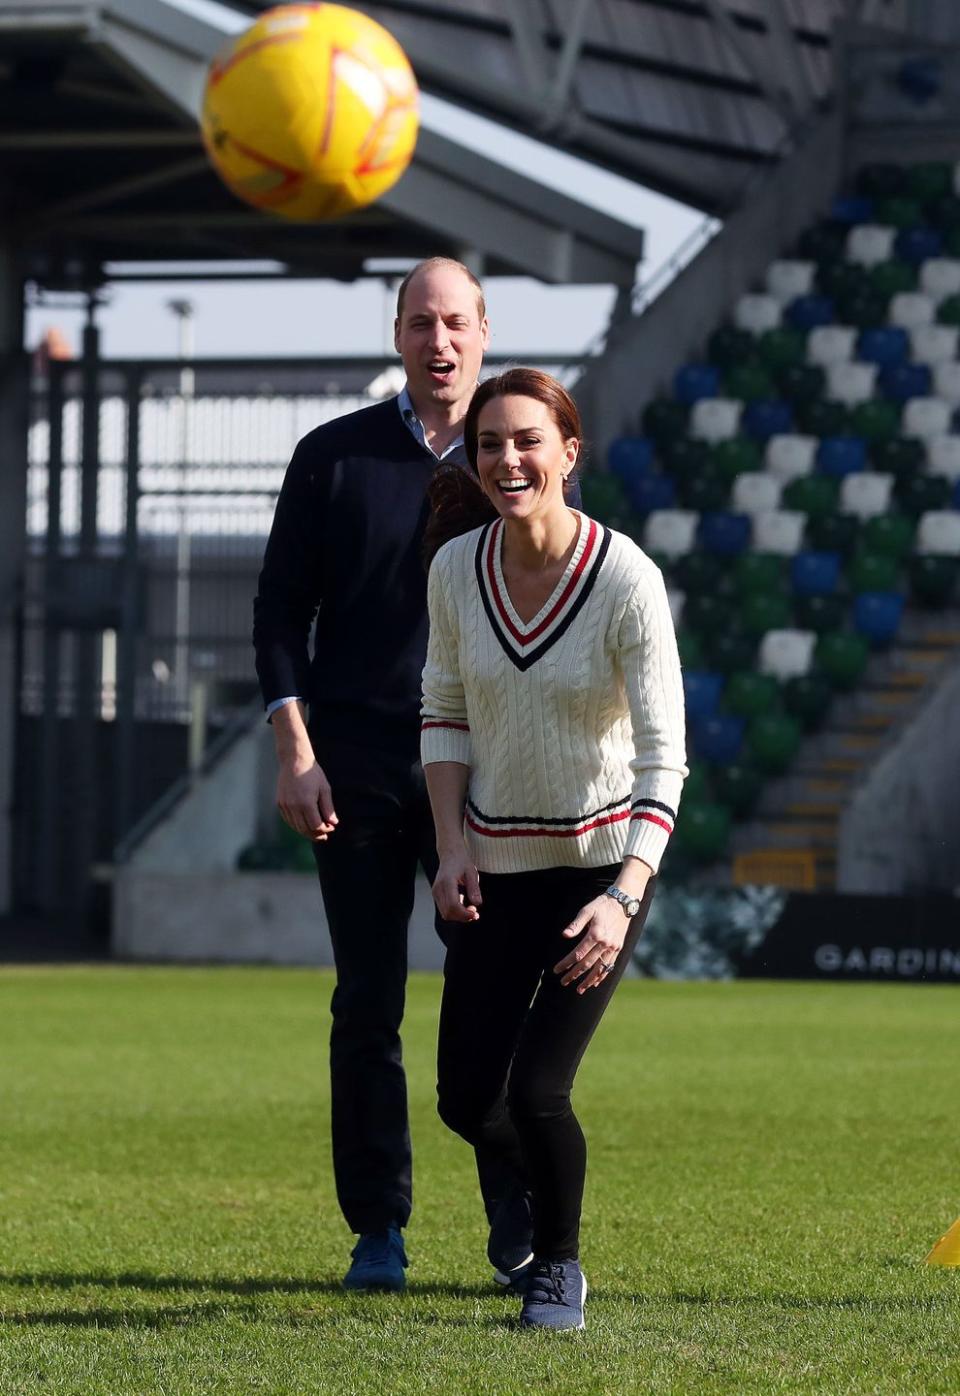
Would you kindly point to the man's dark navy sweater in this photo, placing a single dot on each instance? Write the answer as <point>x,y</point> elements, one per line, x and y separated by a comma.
<point>346,546</point>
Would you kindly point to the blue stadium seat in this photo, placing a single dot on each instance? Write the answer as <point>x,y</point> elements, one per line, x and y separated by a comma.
<point>702,691</point>
<point>649,492</point>
<point>917,244</point>
<point>902,381</point>
<point>851,208</point>
<point>841,455</point>
<point>955,495</point>
<point>695,381</point>
<point>887,344</point>
<point>814,573</point>
<point>717,738</point>
<point>807,312</point>
<point>630,456</point>
<point>766,417</point>
<point>724,533</point>
<point>876,616</point>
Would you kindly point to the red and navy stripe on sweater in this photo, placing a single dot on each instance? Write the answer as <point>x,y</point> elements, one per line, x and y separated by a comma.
<point>517,826</point>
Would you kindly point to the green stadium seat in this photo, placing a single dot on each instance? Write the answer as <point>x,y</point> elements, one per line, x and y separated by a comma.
<point>864,309</point>
<point>929,182</point>
<point>933,580</point>
<point>730,345</point>
<point>739,786</point>
<point>703,830</point>
<point>748,381</point>
<point>749,693</point>
<point>704,492</point>
<point>900,456</point>
<point>891,534</point>
<point>842,657</point>
<point>767,611</point>
<point>691,649</point>
<point>730,650</point>
<point>801,383</point>
<point>875,421</point>
<point>685,458</point>
<point>948,311</point>
<point>812,495</point>
<point>603,497</point>
<point>922,493</point>
<point>758,574</point>
<point>781,348</point>
<point>838,278</point>
<point>821,614</point>
<point>665,420</point>
<point>824,242</point>
<point>822,417</point>
<point>888,279</point>
<point>739,455</point>
<point>708,613</point>
<point>773,740</point>
<point>899,212</point>
<point>807,697</point>
<point>696,787</point>
<point>873,572</point>
<point>833,533</point>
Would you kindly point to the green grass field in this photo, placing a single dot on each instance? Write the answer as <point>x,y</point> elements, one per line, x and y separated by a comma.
<point>769,1165</point>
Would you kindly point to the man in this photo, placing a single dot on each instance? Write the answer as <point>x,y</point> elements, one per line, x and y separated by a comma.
<point>346,539</point>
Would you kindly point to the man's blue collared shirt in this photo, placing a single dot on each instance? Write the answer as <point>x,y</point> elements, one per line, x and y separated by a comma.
<point>455,453</point>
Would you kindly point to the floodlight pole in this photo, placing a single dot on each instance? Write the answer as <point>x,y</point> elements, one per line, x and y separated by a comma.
<point>183,310</point>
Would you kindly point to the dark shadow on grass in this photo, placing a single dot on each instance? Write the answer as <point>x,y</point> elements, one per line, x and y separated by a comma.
<point>228,1284</point>
<point>837,1303</point>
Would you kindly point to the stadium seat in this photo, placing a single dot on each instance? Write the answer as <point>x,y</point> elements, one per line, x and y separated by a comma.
<point>864,308</point>
<point>838,280</point>
<point>940,277</point>
<point>699,573</point>
<point>889,533</point>
<point>884,346</point>
<point>946,382</point>
<point>899,212</point>
<point>729,345</point>
<point>736,456</point>
<point>812,494</point>
<point>888,278</point>
<point>696,787</point>
<point>866,494</point>
<point>630,456</point>
<point>801,384</point>
<point>731,650</point>
<point>670,531</point>
<point>851,382</point>
<point>788,456</point>
<point>878,420</point>
<point>934,344</point>
<point>692,382</point>
<point>703,830</point>
<point>690,648</point>
<point>948,310</point>
<point>779,531</point>
<point>912,308</point>
<point>869,243</point>
<point>757,313</point>
<point>748,694</point>
<point>822,418</point>
<point>833,533</point>
<point>821,614</point>
<point>851,208</point>
<point>702,691</point>
<point>824,242</point>
<point>738,785</point>
<point>785,653</point>
<point>708,613</point>
<point>873,572</point>
<point>773,740</point>
<point>943,456</point>
<point>938,532</point>
<point>724,533</point>
<point>842,657</point>
<point>781,348</point>
<point>809,312</point>
<point>603,496</point>
<point>831,344</point>
<point>807,697</point>
<point>757,574</point>
<point>665,419</point>
<point>766,417</point>
<point>930,180</point>
<point>918,245</point>
<point>933,580</point>
<point>877,616</point>
<point>766,611</point>
<point>814,573</point>
<point>652,492</point>
<point>715,419</point>
<point>685,457</point>
<point>839,456</point>
<point>717,738</point>
<point>786,280</point>
<point>755,493</point>
<point>676,600</point>
<point>707,491</point>
<point>900,382</point>
<point>748,380</point>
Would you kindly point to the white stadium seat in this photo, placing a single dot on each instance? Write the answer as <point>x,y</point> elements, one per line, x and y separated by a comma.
<point>925,417</point>
<point>779,531</point>
<point>943,456</point>
<point>939,532</point>
<point>933,344</point>
<point>670,531</point>
<point>870,243</point>
<point>675,600</point>
<point>940,277</point>
<point>715,418</point>
<point>757,313</point>
<point>787,654</point>
<point>946,381</point>
<point>786,280</point>
<point>911,308</point>
<point>851,382</point>
<point>831,344</point>
<point>788,456</point>
<point>866,493</point>
<point>755,492</point>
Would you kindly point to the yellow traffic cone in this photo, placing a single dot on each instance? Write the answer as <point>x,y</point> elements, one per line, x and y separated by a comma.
<point>947,1249</point>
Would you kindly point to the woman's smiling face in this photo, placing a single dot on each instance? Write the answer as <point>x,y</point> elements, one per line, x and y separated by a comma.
<point>522,459</point>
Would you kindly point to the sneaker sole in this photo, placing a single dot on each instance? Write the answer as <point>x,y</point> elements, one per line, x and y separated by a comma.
<point>505,1277</point>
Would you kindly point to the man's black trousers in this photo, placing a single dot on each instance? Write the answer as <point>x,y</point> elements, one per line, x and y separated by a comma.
<point>368,870</point>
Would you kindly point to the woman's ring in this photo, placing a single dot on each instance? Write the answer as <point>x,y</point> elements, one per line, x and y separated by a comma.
<point>605,969</point>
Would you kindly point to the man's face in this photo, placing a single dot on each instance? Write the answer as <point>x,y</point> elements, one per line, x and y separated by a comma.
<point>441,338</point>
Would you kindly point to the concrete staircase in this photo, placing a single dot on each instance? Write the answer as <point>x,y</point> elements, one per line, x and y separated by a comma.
<point>794,828</point>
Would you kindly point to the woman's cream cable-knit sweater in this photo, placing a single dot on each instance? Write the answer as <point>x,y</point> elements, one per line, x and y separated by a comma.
<point>572,725</point>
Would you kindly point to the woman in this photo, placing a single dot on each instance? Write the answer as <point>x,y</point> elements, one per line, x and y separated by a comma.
<point>553,745</point>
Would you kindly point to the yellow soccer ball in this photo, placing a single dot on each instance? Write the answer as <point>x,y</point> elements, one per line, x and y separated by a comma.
<point>311,112</point>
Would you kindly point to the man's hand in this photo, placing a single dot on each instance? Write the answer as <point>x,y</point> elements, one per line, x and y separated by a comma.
<point>305,802</point>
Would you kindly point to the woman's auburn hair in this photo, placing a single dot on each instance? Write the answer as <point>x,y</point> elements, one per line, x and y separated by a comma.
<point>457,501</point>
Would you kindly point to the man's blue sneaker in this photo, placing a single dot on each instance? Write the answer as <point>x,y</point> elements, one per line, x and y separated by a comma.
<point>379,1261</point>
<point>510,1247</point>
<point>555,1295</point>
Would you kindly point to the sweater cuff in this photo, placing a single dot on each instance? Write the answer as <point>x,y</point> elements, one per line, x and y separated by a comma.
<point>443,739</point>
<point>651,824</point>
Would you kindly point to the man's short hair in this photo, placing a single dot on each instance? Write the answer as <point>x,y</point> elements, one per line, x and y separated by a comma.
<point>429,265</point>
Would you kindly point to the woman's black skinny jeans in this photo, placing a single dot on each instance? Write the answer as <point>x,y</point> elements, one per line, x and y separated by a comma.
<point>512,1037</point>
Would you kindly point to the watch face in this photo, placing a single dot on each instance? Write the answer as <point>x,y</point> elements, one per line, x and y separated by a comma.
<point>632,906</point>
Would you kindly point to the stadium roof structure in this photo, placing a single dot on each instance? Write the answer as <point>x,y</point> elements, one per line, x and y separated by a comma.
<point>101,163</point>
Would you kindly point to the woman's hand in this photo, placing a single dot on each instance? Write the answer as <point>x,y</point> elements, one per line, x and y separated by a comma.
<point>593,959</point>
<point>456,888</point>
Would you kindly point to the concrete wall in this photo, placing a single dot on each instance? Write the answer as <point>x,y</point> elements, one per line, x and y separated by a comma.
<point>901,830</point>
<point>643,353</point>
<point>179,897</point>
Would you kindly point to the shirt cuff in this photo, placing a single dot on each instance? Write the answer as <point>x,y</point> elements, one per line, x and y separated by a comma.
<point>281,703</point>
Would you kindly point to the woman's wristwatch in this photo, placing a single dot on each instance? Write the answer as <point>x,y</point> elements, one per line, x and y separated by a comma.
<point>631,905</point>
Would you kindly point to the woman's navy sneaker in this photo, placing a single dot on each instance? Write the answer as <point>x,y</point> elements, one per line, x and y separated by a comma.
<point>510,1247</point>
<point>555,1295</point>
<point>379,1261</point>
